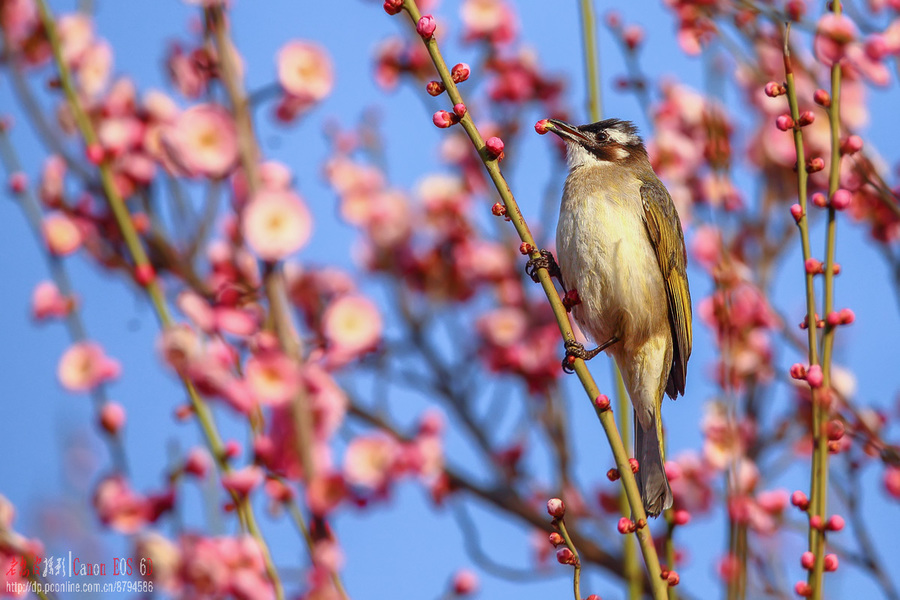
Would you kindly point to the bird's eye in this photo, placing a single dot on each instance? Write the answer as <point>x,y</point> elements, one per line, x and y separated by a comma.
<point>602,137</point>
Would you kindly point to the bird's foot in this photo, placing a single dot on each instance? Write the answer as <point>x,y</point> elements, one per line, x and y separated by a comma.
<point>544,261</point>
<point>575,350</point>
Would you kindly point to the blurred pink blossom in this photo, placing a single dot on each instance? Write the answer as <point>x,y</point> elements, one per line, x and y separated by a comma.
<point>84,366</point>
<point>276,224</point>
<point>305,71</point>
<point>203,141</point>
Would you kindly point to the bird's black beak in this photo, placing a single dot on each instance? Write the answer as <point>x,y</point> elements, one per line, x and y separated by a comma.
<point>568,132</point>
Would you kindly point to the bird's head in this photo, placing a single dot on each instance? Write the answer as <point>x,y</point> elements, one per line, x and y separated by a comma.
<point>604,143</point>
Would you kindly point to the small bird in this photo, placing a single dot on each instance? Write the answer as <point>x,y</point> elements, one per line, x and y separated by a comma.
<point>621,248</point>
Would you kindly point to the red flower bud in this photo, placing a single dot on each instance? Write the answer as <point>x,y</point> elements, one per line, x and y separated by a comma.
<point>672,578</point>
<point>556,539</point>
<point>434,88</point>
<point>392,7</point>
<point>498,210</point>
<point>819,200</point>
<point>841,199</point>
<point>556,508</point>
<point>807,117</point>
<point>808,560</point>
<point>526,248</point>
<point>814,376</point>
<point>774,89</point>
<point>94,154</point>
<point>633,36</point>
<point>784,122</point>
<point>112,417</point>
<point>443,119</point>
<point>798,371</point>
<point>625,526</point>
<point>681,517</point>
<point>494,146</point>
<point>835,523</point>
<point>847,315</point>
<point>18,181</point>
<point>460,72</point>
<point>601,401</point>
<point>802,589</point>
<point>797,212</point>
<point>814,165</point>
<point>822,98</point>
<point>800,500</point>
<point>831,562</point>
<point>564,556</point>
<point>813,266</point>
<point>144,274</point>
<point>572,299</point>
<point>815,522</point>
<point>612,474</point>
<point>459,110</point>
<point>543,126</point>
<point>851,145</point>
<point>634,464</point>
<point>836,269</point>
<point>426,26</point>
<point>835,430</point>
<point>833,318</point>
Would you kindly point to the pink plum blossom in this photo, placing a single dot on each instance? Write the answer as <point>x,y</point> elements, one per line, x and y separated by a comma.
<point>242,481</point>
<point>120,507</point>
<point>203,141</point>
<point>369,461</point>
<point>272,378</point>
<point>305,71</point>
<point>276,224</point>
<point>84,366</point>
<point>61,234</point>
<point>351,325</point>
<point>47,302</point>
<point>94,70</point>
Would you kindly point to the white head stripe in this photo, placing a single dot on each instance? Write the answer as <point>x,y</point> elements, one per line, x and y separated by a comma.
<point>620,137</point>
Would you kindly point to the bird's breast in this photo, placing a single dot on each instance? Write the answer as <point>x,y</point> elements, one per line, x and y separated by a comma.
<point>605,254</point>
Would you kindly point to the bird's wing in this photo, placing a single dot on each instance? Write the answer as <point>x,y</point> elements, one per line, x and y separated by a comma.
<point>664,230</point>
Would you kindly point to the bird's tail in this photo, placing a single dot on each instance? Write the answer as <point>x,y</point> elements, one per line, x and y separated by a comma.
<point>651,476</point>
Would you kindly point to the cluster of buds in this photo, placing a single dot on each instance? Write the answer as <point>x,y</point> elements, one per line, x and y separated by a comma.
<point>820,323</point>
<point>775,89</point>
<point>834,523</point>
<point>458,74</point>
<point>814,266</point>
<point>626,525</point>
<point>671,577</point>
<point>443,119</point>
<point>840,200</point>
<point>835,433</point>
<point>845,316</point>
<point>813,375</point>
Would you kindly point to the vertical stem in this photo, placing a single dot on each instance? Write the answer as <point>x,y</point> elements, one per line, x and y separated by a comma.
<point>591,64</point>
<point>607,420</point>
<point>139,257</point>
<point>822,408</point>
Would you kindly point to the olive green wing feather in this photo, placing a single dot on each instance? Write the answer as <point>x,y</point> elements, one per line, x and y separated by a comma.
<point>667,238</point>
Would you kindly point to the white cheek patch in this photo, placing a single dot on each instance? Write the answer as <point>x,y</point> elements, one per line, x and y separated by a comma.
<point>577,156</point>
<point>620,137</point>
<point>621,153</point>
